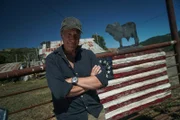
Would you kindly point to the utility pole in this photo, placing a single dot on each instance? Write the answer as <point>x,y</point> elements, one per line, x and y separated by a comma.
<point>27,58</point>
<point>174,33</point>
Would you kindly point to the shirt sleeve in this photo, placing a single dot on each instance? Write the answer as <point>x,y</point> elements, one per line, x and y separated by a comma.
<point>101,76</point>
<point>57,84</point>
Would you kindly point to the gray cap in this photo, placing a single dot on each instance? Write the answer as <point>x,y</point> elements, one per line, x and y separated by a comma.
<point>70,23</point>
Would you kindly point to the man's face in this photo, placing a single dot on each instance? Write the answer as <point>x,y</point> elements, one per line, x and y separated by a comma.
<point>70,39</point>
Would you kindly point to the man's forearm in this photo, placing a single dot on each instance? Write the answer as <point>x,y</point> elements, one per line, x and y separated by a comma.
<point>90,82</point>
<point>76,90</point>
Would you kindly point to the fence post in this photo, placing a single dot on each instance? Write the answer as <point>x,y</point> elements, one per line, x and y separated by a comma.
<point>174,32</point>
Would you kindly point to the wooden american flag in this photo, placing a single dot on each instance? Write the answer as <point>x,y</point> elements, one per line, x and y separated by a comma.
<point>136,81</point>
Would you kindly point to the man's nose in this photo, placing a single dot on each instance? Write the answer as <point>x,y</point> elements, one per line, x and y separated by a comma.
<point>72,36</point>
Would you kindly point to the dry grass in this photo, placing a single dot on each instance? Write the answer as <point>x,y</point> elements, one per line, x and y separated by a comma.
<point>39,113</point>
<point>24,100</point>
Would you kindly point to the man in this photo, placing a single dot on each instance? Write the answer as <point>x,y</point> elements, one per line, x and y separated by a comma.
<point>74,74</point>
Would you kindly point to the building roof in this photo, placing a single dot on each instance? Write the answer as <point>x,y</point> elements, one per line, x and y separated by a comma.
<point>10,66</point>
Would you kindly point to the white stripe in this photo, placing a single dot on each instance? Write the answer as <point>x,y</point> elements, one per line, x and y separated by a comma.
<point>140,75</point>
<point>137,58</point>
<point>135,104</point>
<point>140,66</point>
<point>135,95</point>
<point>129,87</point>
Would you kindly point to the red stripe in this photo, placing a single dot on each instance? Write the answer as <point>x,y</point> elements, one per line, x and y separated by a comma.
<point>135,90</point>
<point>137,71</point>
<point>109,88</point>
<point>138,62</point>
<point>134,54</point>
<point>136,99</point>
<point>116,117</point>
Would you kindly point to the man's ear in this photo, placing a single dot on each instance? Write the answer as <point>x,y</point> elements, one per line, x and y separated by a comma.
<point>61,34</point>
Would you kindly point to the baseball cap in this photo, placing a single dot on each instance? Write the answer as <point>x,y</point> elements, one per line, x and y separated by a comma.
<point>70,23</point>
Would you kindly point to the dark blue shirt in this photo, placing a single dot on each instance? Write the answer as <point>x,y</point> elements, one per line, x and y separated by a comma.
<point>58,69</point>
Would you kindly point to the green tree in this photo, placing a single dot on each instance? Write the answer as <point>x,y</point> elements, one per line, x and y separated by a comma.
<point>2,59</point>
<point>100,41</point>
<point>19,54</point>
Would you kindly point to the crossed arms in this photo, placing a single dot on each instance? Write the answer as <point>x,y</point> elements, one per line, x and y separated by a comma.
<point>86,83</point>
<point>62,88</point>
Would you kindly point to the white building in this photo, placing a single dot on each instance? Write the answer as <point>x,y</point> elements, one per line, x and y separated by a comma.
<point>88,43</point>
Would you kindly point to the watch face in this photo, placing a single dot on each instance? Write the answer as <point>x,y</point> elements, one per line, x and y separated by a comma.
<point>74,80</point>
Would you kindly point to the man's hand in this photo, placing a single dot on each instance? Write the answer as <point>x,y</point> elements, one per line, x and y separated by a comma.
<point>95,70</point>
<point>69,80</point>
<point>90,82</point>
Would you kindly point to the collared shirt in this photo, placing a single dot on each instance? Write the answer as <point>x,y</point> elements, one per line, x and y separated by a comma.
<point>58,69</point>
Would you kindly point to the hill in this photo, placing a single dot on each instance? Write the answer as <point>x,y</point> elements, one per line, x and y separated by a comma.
<point>159,39</point>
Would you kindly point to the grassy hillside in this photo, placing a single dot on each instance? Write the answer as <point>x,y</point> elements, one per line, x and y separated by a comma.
<point>159,39</point>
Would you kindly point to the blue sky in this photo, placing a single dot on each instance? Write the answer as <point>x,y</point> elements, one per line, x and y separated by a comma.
<point>27,23</point>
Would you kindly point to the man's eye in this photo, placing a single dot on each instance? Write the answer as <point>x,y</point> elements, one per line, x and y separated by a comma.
<point>77,36</point>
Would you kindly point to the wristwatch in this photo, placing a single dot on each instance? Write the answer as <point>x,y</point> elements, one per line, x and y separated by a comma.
<point>74,80</point>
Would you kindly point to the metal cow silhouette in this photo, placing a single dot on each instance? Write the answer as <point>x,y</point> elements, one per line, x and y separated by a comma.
<point>125,31</point>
